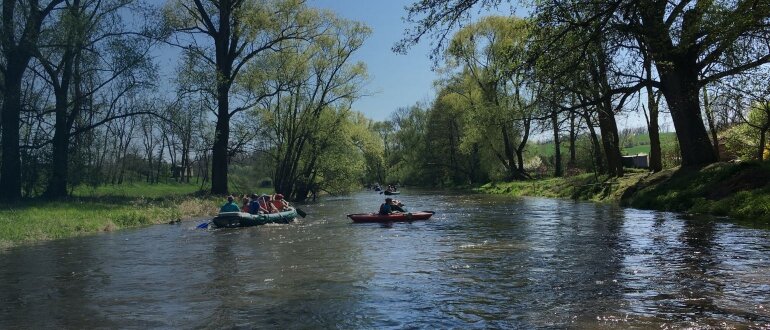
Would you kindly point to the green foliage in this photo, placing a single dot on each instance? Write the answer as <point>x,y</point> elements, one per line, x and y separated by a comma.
<point>743,140</point>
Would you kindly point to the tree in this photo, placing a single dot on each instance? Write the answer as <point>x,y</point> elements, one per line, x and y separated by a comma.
<point>491,54</point>
<point>453,160</point>
<point>691,44</point>
<point>315,84</point>
<point>229,35</point>
<point>90,44</point>
<point>21,24</point>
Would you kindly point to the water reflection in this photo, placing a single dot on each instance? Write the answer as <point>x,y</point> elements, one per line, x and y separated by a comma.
<point>482,262</point>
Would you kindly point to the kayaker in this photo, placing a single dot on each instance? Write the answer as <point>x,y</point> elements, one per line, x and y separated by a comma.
<point>389,207</point>
<point>230,206</point>
<point>385,208</point>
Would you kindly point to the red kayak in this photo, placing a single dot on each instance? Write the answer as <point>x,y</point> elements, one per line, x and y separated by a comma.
<point>393,217</point>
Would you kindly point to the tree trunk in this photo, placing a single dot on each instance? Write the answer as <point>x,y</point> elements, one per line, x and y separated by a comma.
<point>710,120</point>
<point>607,123</point>
<point>610,140</point>
<point>57,183</point>
<point>597,149</point>
<point>523,145</point>
<point>557,171</point>
<point>653,129</point>
<point>762,141</point>
<point>219,158</point>
<point>680,88</point>
<point>572,138</point>
<point>10,168</point>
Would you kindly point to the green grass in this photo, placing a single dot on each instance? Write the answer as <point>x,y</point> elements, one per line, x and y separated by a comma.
<point>740,191</point>
<point>640,143</point>
<point>141,189</point>
<point>105,208</point>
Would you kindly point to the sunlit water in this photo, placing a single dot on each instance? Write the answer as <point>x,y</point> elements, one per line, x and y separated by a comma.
<point>481,262</point>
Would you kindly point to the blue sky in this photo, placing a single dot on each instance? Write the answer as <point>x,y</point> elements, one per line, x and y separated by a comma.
<point>395,80</point>
<point>402,80</point>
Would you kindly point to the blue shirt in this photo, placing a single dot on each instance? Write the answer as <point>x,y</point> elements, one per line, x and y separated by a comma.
<point>230,207</point>
<point>254,207</point>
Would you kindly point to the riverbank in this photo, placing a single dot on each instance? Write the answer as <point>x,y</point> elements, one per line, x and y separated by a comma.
<point>740,190</point>
<point>107,208</point>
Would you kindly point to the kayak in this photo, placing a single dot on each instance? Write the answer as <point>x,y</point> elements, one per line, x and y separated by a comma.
<point>393,217</point>
<point>391,192</point>
<point>243,219</point>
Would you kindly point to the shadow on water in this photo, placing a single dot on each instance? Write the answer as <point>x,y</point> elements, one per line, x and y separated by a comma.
<point>481,262</point>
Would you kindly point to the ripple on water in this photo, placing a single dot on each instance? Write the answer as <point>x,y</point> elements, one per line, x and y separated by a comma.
<point>481,262</point>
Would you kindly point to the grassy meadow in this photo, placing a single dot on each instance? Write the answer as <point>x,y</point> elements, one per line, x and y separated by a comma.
<point>630,145</point>
<point>104,208</point>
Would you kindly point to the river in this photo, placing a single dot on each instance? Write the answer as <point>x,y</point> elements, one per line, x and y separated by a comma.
<point>481,262</point>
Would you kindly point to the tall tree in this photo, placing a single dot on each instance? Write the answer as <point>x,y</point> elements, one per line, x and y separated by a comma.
<point>19,33</point>
<point>229,35</point>
<point>491,55</point>
<point>691,43</point>
<point>315,83</point>
<point>90,43</point>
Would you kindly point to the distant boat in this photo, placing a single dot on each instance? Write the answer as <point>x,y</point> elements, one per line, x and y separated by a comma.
<point>388,192</point>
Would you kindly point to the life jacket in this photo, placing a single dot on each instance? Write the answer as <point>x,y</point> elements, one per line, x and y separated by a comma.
<point>385,208</point>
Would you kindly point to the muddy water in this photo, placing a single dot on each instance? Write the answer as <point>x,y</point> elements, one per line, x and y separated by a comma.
<point>481,262</point>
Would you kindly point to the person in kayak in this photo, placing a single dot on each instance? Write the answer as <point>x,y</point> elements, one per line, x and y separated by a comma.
<point>389,207</point>
<point>230,206</point>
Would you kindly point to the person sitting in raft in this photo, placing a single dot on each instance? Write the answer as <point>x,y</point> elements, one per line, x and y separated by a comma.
<point>230,206</point>
<point>254,207</point>
<point>264,204</point>
<point>279,203</point>
<point>245,204</point>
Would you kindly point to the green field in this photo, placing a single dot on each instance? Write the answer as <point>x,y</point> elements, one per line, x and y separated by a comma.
<point>138,190</point>
<point>104,208</point>
<point>633,145</point>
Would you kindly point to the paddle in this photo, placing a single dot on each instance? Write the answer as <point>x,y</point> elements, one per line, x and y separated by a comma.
<point>300,212</point>
<point>203,225</point>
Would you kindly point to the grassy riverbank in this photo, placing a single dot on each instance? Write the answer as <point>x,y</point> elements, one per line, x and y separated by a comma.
<point>105,208</point>
<point>741,191</point>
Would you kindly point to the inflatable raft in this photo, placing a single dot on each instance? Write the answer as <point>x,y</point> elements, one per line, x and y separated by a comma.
<point>242,219</point>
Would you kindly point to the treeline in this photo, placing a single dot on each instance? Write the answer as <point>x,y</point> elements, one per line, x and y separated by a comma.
<point>569,71</point>
<point>265,83</point>
<point>269,85</point>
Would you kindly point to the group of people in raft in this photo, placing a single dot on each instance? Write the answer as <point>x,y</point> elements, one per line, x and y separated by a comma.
<point>257,204</point>
<point>275,203</point>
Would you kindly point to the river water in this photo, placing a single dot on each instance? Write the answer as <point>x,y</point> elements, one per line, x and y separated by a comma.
<point>480,262</point>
